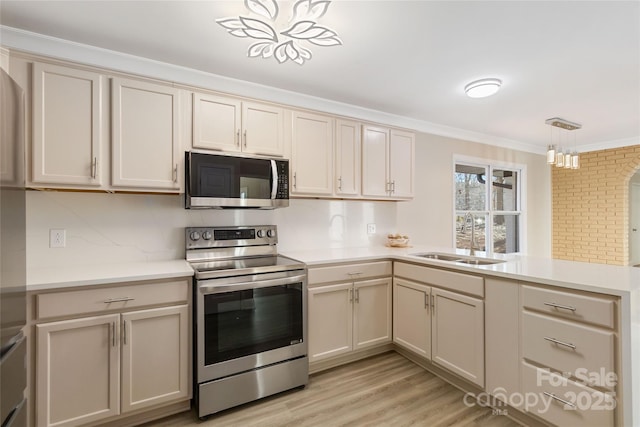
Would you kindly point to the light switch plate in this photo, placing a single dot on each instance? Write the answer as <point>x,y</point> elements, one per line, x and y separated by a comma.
<point>371,229</point>
<point>57,238</point>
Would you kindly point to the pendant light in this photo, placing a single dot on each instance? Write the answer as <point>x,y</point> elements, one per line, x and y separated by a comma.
<point>563,159</point>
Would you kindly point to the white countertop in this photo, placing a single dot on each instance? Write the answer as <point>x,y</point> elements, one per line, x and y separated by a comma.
<point>614,280</point>
<point>99,274</point>
<point>609,279</point>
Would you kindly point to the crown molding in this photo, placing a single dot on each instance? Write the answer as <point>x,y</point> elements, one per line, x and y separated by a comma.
<point>607,145</point>
<point>43,45</point>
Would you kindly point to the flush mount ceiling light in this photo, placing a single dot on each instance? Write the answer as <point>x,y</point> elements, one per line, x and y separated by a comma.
<point>482,88</point>
<point>563,158</point>
<point>287,43</point>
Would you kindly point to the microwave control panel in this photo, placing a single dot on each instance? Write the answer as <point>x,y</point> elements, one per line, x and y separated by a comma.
<point>283,179</point>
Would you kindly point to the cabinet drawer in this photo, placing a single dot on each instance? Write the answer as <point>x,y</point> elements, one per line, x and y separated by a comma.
<point>578,349</point>
<point>349,272</point>
<point>88,301</point>
<point>583,308</point>
<point>458,282</point>
<point>591,407</point>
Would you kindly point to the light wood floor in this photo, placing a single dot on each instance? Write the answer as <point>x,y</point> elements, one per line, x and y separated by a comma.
<point>384,390</point>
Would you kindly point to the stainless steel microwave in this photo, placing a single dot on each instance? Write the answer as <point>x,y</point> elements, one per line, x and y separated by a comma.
<point>221,181</point>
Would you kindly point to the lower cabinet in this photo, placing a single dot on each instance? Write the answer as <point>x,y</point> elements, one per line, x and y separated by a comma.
<point>98,367</point>
<point>444,327</point>
<point>348,316</point>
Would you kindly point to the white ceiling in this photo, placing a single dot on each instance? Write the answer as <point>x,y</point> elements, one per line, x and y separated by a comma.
<point>579,60</point>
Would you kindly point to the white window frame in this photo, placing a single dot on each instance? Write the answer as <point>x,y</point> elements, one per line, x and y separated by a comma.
<point>491,164</point>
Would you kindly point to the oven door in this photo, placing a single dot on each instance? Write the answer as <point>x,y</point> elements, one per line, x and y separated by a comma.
<point>246,322</point>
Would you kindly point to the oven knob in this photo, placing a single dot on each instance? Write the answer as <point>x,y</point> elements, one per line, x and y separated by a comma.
<point>261,233</point>
<point>195,236</point>
<point>207,235</point>
<point>271,233</point>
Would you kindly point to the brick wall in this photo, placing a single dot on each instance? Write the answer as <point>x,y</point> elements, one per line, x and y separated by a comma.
<point>591,207</point>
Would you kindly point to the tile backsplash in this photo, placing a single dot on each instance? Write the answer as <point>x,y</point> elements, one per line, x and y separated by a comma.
<point>114,228</point>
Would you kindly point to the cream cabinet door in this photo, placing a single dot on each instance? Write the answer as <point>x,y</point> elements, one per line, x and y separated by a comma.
<point>312,154</point>
<point>155,356</point>
<point>67,126</point>
<point>330,321</point>
<point>371,313</point>
<point>348,158</point>
<point>262,129</point>
<point>77,371</point>
<point>145,142</point>
<point>216,122</point>
<point>401,163</point>
<point>457,334</point>
<point>412,316</point>
<point>375,165</point>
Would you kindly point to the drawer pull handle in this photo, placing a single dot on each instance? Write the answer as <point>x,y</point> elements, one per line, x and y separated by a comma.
<point>123,299</point>
<point>564,307</point>
<point>358,273</point>
<point>564,402</point>
<point>555,341</point>
<point>113,334</point>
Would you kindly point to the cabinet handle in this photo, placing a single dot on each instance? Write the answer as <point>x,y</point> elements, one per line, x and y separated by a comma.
<point>433,304</point>
<point>356,273</point>
<point>350,295</point>
<point>393,186</point>
<point>564,307</point>
<point>94,168</point>
<point>238,138</point>
<point>555,341</point>
<point>426,301</point>
<point>245,139</point>
<point>340,184</point>
<point>553,396</point>
<point>113,334</point>
<point>357,295</point>
<point>387,187</point>
<point>295,181</point>
<point>124,332</point>
<point>175,173</point>
<point>121,299</point>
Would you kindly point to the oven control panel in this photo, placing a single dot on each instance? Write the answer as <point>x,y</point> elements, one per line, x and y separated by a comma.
<point>216,237</point>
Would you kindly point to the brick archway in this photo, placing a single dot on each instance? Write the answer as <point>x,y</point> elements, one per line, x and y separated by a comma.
<point>591,207</point>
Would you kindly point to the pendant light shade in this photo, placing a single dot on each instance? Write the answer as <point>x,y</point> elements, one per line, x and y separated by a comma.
<point>563,159</point>
<point>551,154</point>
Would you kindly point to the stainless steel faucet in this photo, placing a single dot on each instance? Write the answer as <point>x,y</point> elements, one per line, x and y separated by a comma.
<point>472,244</point>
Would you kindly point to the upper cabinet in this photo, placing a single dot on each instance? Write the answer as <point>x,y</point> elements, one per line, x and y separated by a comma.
<point>387,163</point>
<point>348,158</point>
<point>312,154</point>
<point>228,124</point>
<point>68,120</point>
<point>145,147</point>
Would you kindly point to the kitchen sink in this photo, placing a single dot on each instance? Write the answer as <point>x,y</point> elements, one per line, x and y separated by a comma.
<point>479,261</point>
<point>459,258</point>
<point>441,257</point>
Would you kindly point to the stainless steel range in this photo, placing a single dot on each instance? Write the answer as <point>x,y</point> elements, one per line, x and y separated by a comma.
<point>250,316</point>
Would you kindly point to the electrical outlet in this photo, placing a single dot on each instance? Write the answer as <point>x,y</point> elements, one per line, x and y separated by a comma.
<point>371,229</point>
<point>57,238</point>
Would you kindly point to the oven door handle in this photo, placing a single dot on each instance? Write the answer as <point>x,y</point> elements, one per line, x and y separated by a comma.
<point>218,289</point>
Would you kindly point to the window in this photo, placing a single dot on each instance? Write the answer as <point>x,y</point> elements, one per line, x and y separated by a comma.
<point>488,209</point>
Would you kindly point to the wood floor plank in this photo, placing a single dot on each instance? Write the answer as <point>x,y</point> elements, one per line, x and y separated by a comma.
<point>384,390</point>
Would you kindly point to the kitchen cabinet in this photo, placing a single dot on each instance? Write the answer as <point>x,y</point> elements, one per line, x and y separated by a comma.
<point>348,158</point>
<point>412,316</point>
<point>312,154</point>
<point>573,333</point>
<point>68,120</point>
<point>434,319</point>
<point>146,150</point>
<point>352,314</point>
<point>236,126</point>
<point>115,351</point>
<point>387,163</point>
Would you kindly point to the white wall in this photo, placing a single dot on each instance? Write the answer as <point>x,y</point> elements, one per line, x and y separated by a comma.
<point>429,217</point>
<point>112,228</point>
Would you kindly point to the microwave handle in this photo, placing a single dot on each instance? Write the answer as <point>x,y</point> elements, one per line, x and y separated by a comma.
<point>276,178</point>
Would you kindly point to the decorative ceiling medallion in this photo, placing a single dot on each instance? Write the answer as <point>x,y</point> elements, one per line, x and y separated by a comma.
<point>286,44</point>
